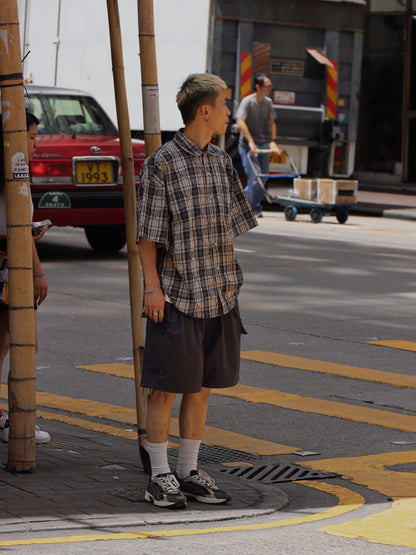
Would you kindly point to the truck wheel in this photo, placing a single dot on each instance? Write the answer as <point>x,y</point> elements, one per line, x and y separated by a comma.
<point>290,213</point>
<point>342,215</point>
<point>316,215</point>
<point>106,238</point>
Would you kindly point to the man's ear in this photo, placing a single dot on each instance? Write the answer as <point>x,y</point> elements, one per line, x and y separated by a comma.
<point>204,111</point>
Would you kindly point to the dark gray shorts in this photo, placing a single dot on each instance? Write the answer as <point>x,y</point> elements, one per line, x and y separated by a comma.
<point>183,354</point>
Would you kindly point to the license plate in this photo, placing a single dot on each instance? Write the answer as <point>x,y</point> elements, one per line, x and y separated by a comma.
<point>94,172</point>
<point>277,158</point>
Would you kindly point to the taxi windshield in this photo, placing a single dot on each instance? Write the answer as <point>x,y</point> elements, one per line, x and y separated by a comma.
<point>69,114</point>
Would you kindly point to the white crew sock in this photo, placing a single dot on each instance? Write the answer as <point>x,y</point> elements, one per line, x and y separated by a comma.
<point>158,453</point>
<point>188,457</point>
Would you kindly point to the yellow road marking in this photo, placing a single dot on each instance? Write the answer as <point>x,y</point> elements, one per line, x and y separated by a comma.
<point>347,501</point>
<point>127,416</point>
<point>346,411</point>
<point>397,344</point>
<point>119,369</point>
<point>395,526</point>
<point>356,373</point>
<point>311,405</point>
<point>371,471</point>
<point>87,424</point>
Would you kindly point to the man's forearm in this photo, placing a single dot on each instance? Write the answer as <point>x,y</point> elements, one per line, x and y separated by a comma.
<point>147,252</point>
<point>273,130</point>
<point>154,298</point>
<point>243,127</point>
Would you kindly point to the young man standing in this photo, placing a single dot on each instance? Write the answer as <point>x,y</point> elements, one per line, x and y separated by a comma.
<point>256,121</point>
<point>190,208</point>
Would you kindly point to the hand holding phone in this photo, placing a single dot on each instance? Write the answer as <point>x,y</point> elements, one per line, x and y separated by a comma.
<point>38,227</point>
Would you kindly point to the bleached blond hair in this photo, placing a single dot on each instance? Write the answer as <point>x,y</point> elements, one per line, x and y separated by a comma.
<point>196,90</point>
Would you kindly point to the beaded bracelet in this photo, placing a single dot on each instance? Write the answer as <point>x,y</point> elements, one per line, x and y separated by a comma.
<point>37,275</point>
<point>151,290</point>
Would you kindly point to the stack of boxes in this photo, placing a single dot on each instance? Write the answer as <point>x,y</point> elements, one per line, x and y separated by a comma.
<point>326,191</point>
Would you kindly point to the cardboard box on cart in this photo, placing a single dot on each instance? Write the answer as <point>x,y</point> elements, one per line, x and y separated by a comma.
<point>337,191</point>
<point>305,188</point>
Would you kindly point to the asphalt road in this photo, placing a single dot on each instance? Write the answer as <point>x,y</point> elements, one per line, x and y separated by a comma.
<point>320,302</point>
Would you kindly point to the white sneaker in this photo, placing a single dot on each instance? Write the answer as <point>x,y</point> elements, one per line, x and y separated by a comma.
<point>4,426</point>
<point>40,437</point>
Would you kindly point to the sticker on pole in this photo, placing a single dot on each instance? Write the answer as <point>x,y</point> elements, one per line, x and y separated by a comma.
<point>150,95</point>
<point>55,200</point>
<point>20,169</point>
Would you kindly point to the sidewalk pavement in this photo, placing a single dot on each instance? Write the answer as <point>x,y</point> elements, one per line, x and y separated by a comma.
<point>87,481</point>
<point>387,202</point>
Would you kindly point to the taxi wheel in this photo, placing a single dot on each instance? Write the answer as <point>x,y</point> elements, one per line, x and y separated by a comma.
<point>106,238</point>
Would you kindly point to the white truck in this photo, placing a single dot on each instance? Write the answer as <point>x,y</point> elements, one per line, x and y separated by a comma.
<point>67,44</point>
<point>312,50</point>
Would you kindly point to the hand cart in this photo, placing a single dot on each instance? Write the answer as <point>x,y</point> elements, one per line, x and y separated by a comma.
<point>262,178</point>
<point>294,205</point>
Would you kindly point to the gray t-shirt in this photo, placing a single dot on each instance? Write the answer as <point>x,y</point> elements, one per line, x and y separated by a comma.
<point>257,116</point>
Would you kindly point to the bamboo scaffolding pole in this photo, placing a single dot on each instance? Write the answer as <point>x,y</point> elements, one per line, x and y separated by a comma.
<point>21,450</point>
<point>150,99</point>
<point>148,64</point>
<point>129,188</point>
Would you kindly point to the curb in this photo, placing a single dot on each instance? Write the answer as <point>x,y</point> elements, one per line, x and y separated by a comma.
<point>400,214</point>
<point>270,500</point>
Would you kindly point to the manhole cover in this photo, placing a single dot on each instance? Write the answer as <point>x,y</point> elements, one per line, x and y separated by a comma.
<point>273,473</point>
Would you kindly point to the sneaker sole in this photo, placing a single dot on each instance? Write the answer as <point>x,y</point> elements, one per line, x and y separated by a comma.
<point>167,504</point>
<point>38,441</point>
<point>202,499</point>
<point>42,441</point>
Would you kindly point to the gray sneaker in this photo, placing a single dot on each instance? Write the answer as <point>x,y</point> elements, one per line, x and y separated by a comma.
<point>202,487</point>
<point>163,491</point>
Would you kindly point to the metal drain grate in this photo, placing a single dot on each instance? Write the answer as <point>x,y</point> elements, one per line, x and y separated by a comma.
<point>273,473</point>
<point>67,445</point>
<point>212,454</point>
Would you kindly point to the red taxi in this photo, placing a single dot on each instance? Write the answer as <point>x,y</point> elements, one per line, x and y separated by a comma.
<point>76,176</point>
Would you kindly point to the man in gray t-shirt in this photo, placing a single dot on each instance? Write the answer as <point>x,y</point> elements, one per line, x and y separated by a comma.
<point>256,121</point>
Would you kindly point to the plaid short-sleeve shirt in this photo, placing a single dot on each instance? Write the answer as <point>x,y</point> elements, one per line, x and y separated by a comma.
<point>190,202</point>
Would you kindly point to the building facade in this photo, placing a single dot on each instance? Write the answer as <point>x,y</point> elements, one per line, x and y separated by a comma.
<point>387,117</point>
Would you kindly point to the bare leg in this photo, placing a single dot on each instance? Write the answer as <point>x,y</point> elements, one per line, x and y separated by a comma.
<point>159,409</point>
<point>4,338</point>
<point>36,333</point>
<point>193,414</point>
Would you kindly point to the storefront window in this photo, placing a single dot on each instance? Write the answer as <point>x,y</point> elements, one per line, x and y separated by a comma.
<point>389,5</point>
<point>381,99</point>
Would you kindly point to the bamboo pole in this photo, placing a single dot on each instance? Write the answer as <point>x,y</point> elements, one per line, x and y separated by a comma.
<point>129,188</point>
<point>150,88</point>
<point>150,99</point>
<point>21,451</point>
